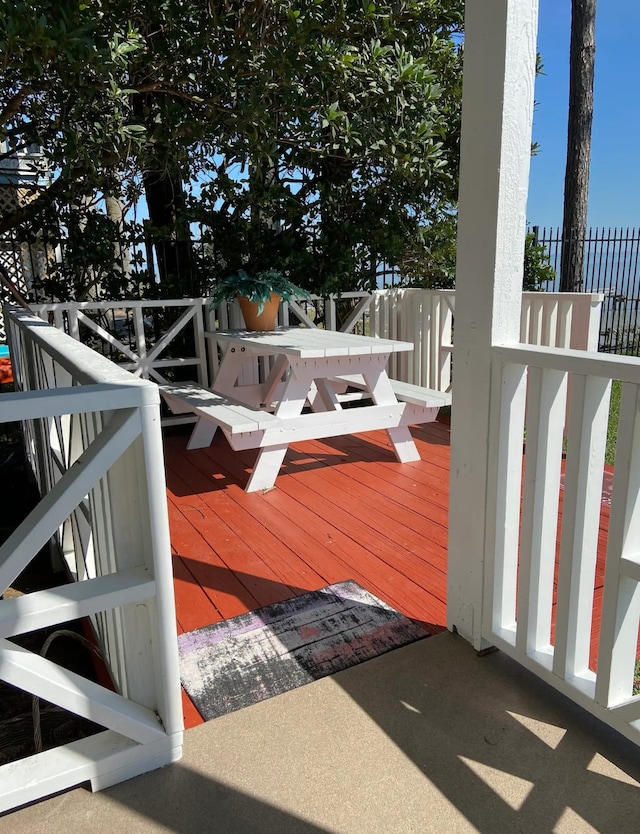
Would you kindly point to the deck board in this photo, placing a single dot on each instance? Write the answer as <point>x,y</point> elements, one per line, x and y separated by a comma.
<point>342,508</point>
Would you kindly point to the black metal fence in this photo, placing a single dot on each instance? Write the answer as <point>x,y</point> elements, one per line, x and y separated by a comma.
<point>611,266</point>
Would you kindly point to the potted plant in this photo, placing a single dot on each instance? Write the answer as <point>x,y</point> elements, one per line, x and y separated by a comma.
<point>259,295</point>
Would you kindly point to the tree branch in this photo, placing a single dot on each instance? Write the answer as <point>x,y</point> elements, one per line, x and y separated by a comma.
<point>12,107</point>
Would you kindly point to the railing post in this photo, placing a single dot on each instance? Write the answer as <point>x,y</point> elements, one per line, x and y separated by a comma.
<point>330,314</point>
<point>499,75</point>
<point>585,325</point>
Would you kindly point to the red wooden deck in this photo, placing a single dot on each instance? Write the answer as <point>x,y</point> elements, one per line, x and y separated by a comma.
<point>343,508</point>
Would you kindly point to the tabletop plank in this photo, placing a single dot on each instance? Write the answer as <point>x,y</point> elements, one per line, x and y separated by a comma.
<point>309,343</point>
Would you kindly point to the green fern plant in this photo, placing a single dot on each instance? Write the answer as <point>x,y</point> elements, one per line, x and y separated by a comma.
<point>256,288</point>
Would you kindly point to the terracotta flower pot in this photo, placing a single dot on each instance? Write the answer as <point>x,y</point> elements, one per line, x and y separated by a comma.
<point>267,318</point>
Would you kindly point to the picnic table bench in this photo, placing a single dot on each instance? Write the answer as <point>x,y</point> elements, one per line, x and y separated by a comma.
<point>269,416</point>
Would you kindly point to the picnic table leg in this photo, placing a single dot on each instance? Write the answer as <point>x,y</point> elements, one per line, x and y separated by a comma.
<point>229,370</point>
<point>323,397</point>
<point>403,444</point>
<point>202,434</point>
<point>270,458</point>
<point>382,393</point>
<point>267,468</point>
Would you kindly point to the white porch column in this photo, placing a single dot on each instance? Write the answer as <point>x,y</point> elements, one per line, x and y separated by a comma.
<point>497,114</point>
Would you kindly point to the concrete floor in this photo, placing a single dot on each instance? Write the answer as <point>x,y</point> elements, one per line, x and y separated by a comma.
<point>428,738</point>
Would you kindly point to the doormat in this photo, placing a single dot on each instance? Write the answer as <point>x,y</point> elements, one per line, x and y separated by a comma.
<point>233,664</point>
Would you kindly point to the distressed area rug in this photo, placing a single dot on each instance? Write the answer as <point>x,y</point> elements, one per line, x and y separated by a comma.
<point>230,665</point>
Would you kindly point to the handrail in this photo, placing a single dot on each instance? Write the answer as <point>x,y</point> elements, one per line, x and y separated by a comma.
<point>590,363</point>
<point>543,562</point>
<point>92,434</point>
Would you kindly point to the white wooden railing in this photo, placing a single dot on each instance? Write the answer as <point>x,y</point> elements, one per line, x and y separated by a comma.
<point>131,341</point>
<point>93,438</point>
<point>530,391</point>
<point>425,317</point>
<point>142,352</point>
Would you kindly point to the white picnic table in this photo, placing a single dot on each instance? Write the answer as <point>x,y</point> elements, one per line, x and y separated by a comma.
<point>305,364</point>
<point>301,367</point>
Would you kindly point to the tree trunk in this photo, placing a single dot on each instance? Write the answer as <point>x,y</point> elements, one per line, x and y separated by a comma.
<point>167,233</point>
<point>121,256</point>
<point>170,233</point>
<point>335,254</point>
<point>576,183</point>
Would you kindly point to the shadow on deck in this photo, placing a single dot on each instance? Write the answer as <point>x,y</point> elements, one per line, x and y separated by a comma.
<point>427,738</point>
<point>341,509</point>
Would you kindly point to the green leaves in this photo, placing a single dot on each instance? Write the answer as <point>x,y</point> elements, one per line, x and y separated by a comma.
<point>257,288</point>
<point>315,137</point>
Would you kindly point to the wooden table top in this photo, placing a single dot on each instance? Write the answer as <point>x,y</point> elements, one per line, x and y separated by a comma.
<point>309,343</point>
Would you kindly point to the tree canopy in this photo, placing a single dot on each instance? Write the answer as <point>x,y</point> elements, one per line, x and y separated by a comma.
<point>316,137</point>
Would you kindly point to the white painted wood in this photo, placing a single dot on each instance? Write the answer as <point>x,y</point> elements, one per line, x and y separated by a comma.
<point>546,401</point>
<point>141,759</point>
<point>273,382</point>
<point>158,557</point>
<point>32,405</point>
<point>265,472</point>
<point>74,329</point>
<point>311,344</point>
<point>383,395</point>
<point>416,394</point>
<point>141,345</point>
<point>143,363</point>
<point>356,314</point>
<point>503,497</point>
<point>300,313</point>
<point>307,364</point>
<point>226,412</point>
<point>69,306</point>
<point>275,442</point>
<point>41,523</point>
<point>607,366</point>
<point>98,759</point>
<point>579,542</point>
<point>404,446</point>
<point>621,595</point>
<point>126,492</point>
<point>317,425</point>
<point>70,691</point>
<point>70,602</point>
<point>499,76</point>
<point>100,438</point>
<point>546,318</point>
<point>203,432</point>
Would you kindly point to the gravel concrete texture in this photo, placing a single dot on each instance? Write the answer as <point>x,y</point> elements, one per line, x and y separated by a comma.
<point>427,738</point>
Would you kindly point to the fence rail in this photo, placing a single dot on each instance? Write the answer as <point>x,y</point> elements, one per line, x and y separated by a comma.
<point>425,317</point>
<point>155,338</point>
<point>92,435</point>
<point>540,614</point>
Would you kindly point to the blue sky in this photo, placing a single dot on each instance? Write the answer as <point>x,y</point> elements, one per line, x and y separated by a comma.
<point>614,195</point>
